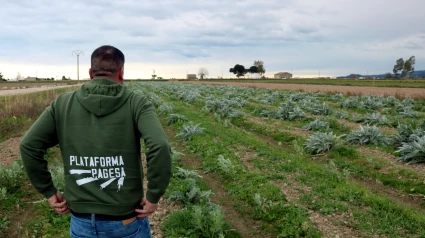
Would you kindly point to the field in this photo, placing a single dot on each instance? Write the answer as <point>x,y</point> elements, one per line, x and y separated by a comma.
<point>416,92</point>
<point>398,83</point>
<point>256,162</point>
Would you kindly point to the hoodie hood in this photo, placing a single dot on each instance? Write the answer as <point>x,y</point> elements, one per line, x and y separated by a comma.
<point>102,96</point>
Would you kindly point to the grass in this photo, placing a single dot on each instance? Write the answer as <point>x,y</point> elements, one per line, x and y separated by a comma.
<point>18,112</point>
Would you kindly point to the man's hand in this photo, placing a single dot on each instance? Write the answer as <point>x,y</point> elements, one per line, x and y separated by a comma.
<point>58,203</point>
<point>148,208</point>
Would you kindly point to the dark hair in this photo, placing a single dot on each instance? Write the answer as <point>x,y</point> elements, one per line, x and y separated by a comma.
<point>106,61</point>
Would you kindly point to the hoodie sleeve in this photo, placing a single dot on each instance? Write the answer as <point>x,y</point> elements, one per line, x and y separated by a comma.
<point>159,153</point>
<point>33,147</point>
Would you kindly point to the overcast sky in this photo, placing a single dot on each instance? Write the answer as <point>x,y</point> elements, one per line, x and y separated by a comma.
<point>333,37</point>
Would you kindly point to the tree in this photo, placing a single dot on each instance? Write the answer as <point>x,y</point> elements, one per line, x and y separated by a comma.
<point>64,78</point>
<point>253,69</point>
<point>1,77</point>
<point>409,67</point>
<point>405,67</point>
<point>239,70</point>
<point>260,65</point>
<point>398,67</point>
<point>19,76</point>
<point>154,75</point>
<point>202,72</point>
<point>388,75</point>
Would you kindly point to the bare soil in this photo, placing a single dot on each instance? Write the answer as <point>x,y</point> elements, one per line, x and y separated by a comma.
<point>415,93</point>
<point>9,151</point>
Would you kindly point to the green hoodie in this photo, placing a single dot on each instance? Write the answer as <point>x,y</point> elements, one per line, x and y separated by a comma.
<point>98,128</point>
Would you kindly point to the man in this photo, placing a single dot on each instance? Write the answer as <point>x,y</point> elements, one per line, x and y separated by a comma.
<point>98,128</point>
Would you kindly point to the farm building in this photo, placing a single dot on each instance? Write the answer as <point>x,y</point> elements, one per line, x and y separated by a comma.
<point>30,79</point>
<point>191,77</point>
<point>35,79</point>
<point>283,75</point>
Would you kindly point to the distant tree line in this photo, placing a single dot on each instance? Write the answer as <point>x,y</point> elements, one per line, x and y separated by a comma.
<point>240,70</point>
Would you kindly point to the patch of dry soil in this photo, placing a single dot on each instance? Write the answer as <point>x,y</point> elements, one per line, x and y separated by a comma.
<point>9,151</point>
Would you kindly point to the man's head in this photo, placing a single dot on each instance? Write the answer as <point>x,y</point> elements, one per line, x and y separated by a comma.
<point>107,62</point>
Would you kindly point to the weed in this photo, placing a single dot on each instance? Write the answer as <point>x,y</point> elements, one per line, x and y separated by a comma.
<point>4,224</point>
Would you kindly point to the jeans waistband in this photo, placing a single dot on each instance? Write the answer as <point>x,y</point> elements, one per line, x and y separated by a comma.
<point>101,217</point>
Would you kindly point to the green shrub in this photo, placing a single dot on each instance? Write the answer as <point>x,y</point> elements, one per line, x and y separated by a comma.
<point>221,165</point>
<point>290,111</point>
<point>413,152</point>
<point>350,103</point>
<point>189,131</point>
<point>375,119</point>
<point>174,118</point>
<point>188,192</point>
<point>316,125</point>
<point>165,109</point>
<point>197,221</point>
<point>320,109</point>
<point>372,102</point>
<point>228,112</point>
<point>367,135</point>
<point>321,142</point>
<point>58,178</point>
<point>11,178</point>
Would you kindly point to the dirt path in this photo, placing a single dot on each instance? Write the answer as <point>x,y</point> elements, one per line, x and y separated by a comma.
<point>351,90</point>
<point>32,90</point>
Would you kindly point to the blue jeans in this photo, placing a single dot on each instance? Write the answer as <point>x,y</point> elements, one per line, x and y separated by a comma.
<point>139,228</point>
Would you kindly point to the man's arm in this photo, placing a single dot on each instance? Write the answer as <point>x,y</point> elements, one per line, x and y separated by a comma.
<point>40,137</point>
<point>159,153</point>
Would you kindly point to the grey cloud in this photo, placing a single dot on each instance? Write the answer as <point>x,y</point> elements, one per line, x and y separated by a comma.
<point>176,29</point>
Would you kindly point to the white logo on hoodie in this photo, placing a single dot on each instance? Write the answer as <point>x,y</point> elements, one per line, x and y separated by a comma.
<point>110,168</point>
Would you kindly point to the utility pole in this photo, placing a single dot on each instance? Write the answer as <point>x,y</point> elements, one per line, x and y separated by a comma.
<point>78,53</point>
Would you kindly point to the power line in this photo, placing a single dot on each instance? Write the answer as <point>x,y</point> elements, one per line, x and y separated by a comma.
<point>78,53</point>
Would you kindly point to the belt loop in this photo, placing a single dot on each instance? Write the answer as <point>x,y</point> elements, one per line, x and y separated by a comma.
<point>93,220</point>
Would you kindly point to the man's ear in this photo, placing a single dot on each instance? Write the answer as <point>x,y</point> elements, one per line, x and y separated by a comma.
<point>121,74</point>
<point>91,73</point>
